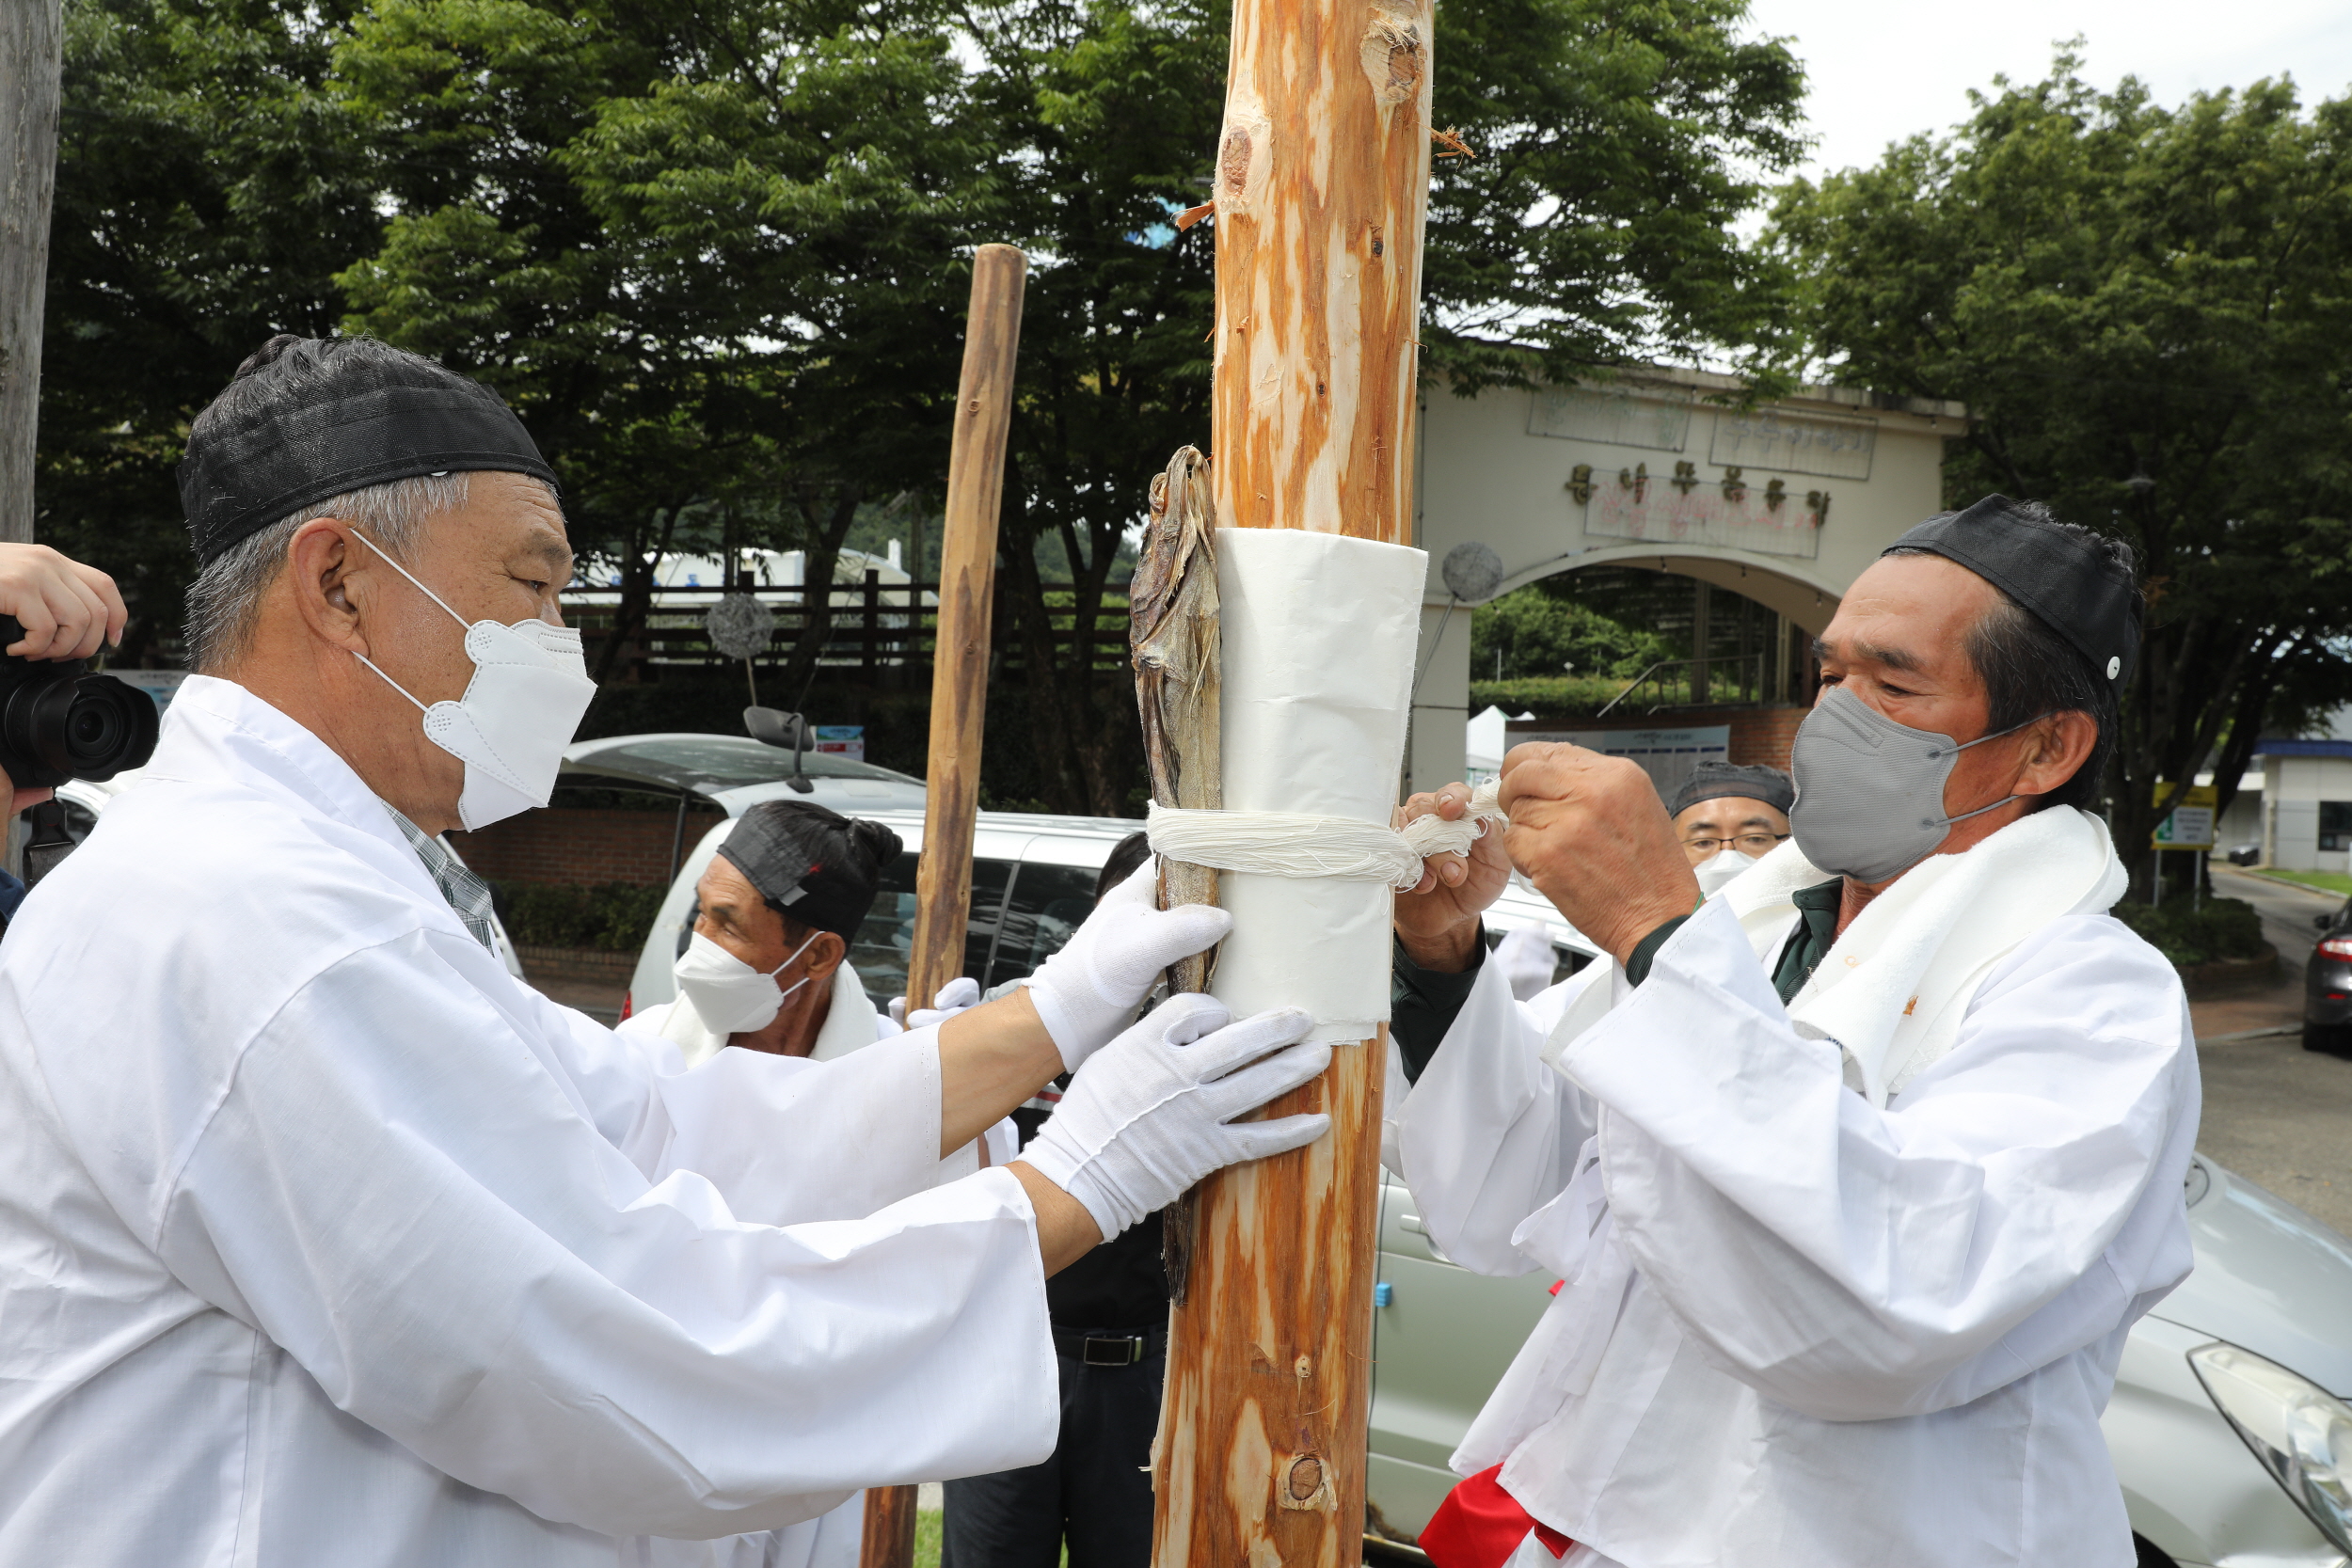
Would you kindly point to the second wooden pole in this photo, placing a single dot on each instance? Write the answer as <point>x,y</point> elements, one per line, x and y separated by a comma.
<point>967,584</point>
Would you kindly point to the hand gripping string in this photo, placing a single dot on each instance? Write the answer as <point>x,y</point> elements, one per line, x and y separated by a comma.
<point>1292,844</point>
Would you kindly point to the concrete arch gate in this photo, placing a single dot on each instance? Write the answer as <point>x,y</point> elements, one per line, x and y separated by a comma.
<point>1783,506</point>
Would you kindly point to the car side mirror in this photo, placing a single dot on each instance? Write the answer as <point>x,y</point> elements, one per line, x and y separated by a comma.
<point>2321,922</point>
<point>786,732</point>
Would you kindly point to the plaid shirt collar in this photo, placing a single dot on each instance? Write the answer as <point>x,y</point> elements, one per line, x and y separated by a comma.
<point>468,894</point>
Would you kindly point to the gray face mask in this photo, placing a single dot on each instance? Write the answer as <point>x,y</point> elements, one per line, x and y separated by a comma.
<point>1870,791</point>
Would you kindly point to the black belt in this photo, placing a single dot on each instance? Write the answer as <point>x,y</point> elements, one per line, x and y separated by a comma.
<point>1094,1348</point>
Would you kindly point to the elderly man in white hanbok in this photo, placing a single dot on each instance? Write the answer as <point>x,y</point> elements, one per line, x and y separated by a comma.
<point>323,1240</point>
<point>1858,1173</point>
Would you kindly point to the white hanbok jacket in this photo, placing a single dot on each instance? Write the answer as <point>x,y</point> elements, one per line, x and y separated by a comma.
<point>323,1240</point>
<point>852,1022</point>
<point>1798,1330</point>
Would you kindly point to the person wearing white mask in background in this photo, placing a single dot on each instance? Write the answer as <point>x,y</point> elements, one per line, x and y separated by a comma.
<point>354,1249</point>
<point>766,967</point>
<point>1729,816</point>
<point>1856,1175</point>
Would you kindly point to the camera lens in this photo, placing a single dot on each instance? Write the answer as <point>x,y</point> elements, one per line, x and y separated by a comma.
<point>92,729</point>
<point>83,727</point>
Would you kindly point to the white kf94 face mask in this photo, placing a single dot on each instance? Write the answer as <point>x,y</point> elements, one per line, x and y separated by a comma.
<point>728,994</point>
<point>530,689</point>
<point>1718,870</point>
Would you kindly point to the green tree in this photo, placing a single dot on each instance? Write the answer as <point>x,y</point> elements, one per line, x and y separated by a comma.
<point>1532,632</point>
<point>208,192</point>
<point>1617,145</point>
<point>2144,310</point>
<point>709,249</point>
<point>1595,228</point>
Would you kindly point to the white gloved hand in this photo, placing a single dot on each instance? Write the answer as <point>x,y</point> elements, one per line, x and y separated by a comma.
<point>1152,1113</point>
<point>954,997</point>
<point>1088,991</point>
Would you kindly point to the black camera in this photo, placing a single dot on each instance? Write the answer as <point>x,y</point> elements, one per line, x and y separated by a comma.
<point>58,722</point>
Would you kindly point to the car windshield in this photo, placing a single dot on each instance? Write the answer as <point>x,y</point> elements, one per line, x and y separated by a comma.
<point>708,762</point>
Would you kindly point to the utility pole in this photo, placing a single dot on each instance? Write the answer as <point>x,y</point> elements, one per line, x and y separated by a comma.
<point>32,35</point>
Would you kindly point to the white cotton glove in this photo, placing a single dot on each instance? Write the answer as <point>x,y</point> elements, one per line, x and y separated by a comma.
<point>1087,992</point>
<point>1152,1113</point>
<point>954,997</point>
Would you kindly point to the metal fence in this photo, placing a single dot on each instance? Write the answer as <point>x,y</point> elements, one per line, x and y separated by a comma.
<point>878,629</point>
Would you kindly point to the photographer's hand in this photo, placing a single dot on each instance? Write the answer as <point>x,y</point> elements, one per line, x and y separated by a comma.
<point>67,608</point>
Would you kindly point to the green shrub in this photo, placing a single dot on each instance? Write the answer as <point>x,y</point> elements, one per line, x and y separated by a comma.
<point>1551,696</point>
<point>2217,929</point>
<point>611,916</point>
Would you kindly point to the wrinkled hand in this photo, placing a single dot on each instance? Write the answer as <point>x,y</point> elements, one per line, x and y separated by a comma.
<point>1438,921</point>
<point>1086,993</point>
<point>1152,1114</point>
<point>954,997</point>
<point>1592,835</point>
<point>67,608</point>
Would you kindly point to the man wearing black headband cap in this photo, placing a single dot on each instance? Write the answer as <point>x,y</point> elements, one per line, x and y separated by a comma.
<point>1729,816</point>
<point>1860,1170</point>
<point>766,965</point>
<point>359,1251</point>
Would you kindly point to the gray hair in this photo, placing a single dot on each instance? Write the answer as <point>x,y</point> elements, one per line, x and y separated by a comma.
<point>224,601</point>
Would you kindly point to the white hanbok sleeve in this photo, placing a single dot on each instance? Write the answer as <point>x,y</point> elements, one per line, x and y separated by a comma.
<point>401,1189</point>
<point>1489,1134</point>
<point>1857,1263</point>
<point>785,1140</point>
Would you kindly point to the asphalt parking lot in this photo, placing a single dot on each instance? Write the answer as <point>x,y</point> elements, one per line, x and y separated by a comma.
<point>2275,1112</point>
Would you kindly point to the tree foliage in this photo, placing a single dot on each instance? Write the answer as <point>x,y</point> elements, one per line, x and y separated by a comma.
<point>714,252</point>
<point>1532,632</point>
<point>208,192</point>
<point>2146,311</point>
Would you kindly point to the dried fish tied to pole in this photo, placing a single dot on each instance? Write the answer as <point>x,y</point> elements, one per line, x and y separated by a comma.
<point>1172,633</point>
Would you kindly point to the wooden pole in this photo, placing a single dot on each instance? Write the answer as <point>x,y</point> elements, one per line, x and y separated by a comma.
<point>967,579</point>
<point>1321,188</point>
<point>31,41</point>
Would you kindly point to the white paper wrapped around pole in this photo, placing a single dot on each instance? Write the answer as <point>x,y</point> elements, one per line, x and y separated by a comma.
<point>1319,632</point>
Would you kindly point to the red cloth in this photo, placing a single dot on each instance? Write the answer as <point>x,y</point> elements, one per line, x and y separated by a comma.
<point>1479,1525</point>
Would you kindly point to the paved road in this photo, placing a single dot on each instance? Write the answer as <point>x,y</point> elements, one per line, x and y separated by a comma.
<point>2276,1113</point>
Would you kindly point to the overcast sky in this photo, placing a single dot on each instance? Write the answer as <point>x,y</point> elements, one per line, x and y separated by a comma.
<point>1878,73</point>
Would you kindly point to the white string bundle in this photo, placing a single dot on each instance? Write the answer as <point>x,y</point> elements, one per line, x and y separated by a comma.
<point>1292,844</point>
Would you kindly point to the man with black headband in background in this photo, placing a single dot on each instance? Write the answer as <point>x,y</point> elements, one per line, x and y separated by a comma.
<point>766,967</point>
<point>1729,816</point>
<point>1856,1172</point>
<point>333,1243</point>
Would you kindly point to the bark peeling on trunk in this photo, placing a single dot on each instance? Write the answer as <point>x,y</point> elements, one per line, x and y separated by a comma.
<point>1322,185</point>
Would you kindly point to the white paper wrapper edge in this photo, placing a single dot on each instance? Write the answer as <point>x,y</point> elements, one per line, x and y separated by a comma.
<point>1319,633</point>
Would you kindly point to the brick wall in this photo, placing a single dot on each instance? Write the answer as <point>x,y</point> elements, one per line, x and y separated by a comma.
<point>1757,733</point>
<point>580,847</point>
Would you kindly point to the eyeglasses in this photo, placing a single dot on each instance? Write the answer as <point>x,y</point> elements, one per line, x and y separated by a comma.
<point>1747,843</point>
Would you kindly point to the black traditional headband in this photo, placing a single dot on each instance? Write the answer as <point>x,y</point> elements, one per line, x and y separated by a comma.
<point>815,866</point>
<point>348,419</point>
<point>1715,781</point>
<point>2059,578</point>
